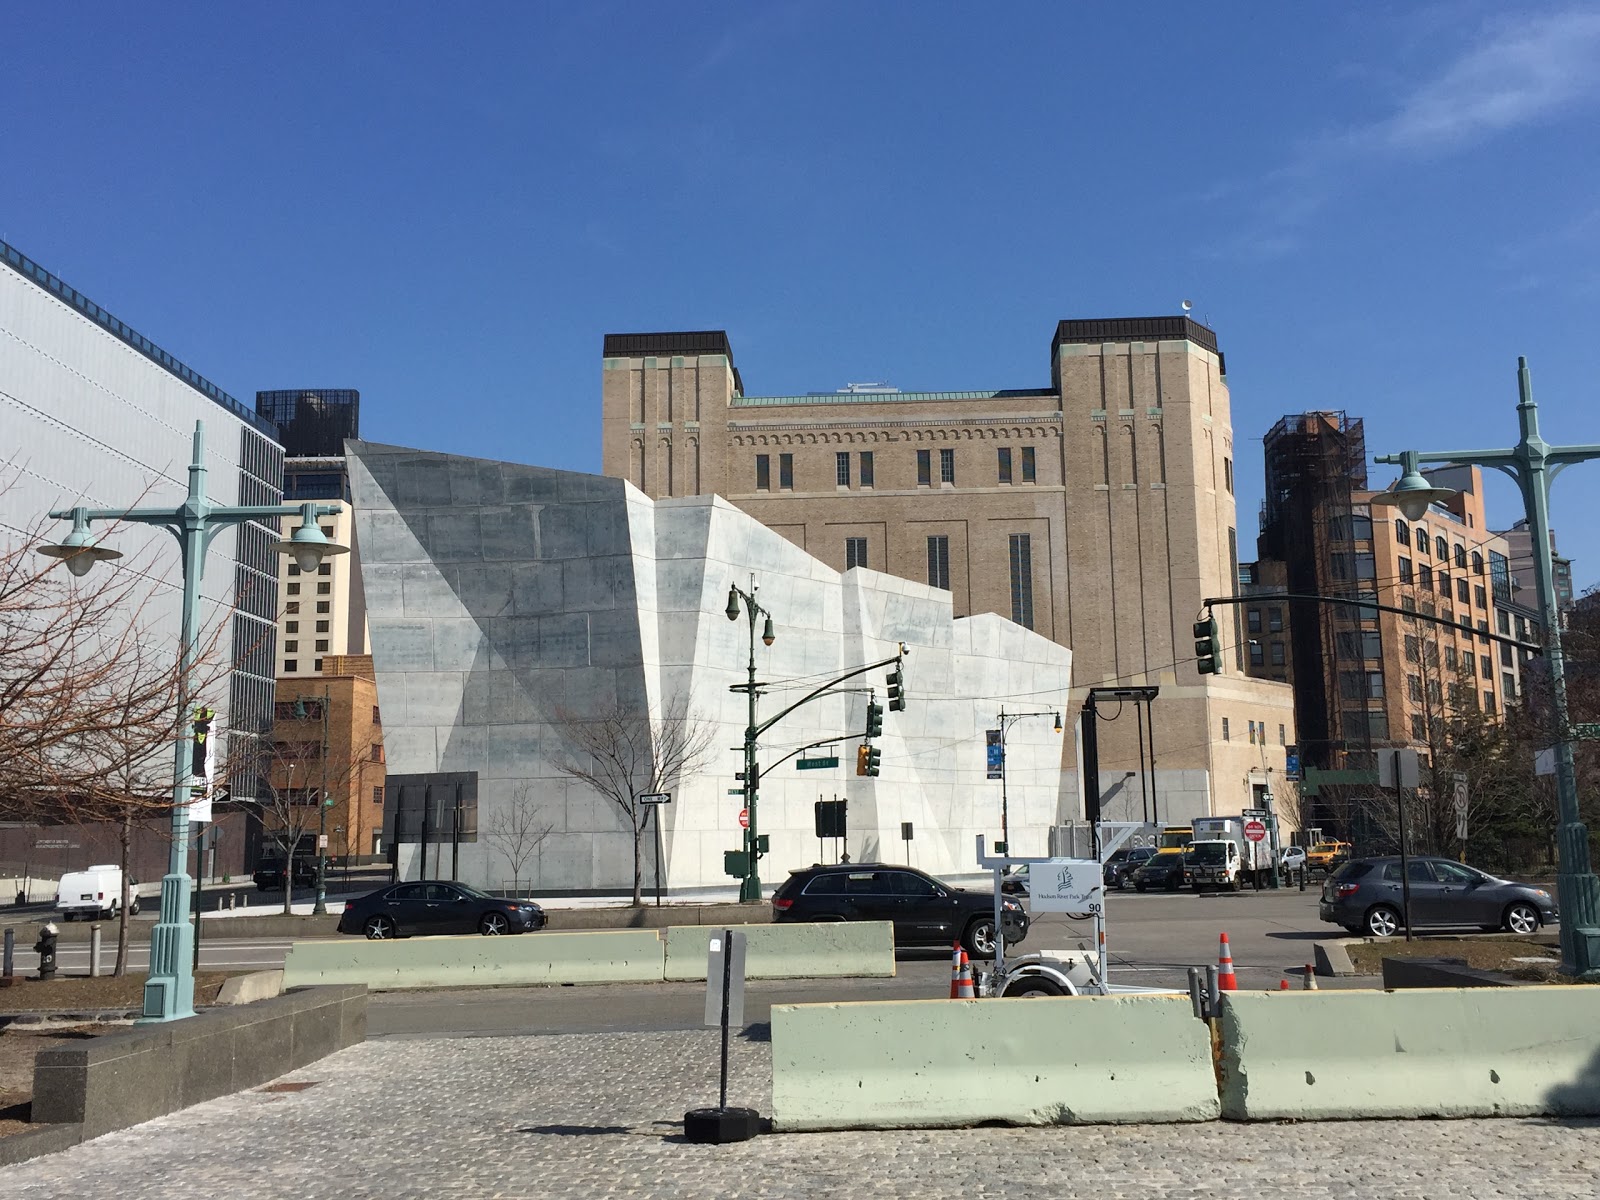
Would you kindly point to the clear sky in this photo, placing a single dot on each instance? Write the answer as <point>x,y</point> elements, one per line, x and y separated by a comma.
<point>1377,207</point>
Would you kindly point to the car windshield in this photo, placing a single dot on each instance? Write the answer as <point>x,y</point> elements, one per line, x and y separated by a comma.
<point>1141,853</point>
<point>1324,848</point>
<point>473,893</point>
<point>1207,853</point>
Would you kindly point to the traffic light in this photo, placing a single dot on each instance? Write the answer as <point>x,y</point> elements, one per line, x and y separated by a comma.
<point>874,719</point>
<point>863,756</point>
<point>1207,647</point>
<point>199,759</point>
<point>897,695</point>
<point>874,757</point>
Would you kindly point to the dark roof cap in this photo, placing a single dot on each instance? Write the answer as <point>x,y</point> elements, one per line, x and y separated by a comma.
<point>662,345</point>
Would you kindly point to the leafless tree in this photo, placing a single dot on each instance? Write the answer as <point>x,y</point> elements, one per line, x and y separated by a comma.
<point>515,830</point>
<point>623,753</point>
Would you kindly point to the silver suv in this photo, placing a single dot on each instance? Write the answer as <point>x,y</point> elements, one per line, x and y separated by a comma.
<point>1365,897</point>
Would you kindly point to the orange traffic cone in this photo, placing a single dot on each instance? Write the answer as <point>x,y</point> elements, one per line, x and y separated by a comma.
<point>1309,981</point>
<point>1283,985</point>
<point>955,971</point>
<point>1226,982</point>
<point>964,987</point>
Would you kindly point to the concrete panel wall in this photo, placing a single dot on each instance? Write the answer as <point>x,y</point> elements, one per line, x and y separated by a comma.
<point>612,956</point>
<point>935,1063</point>
<point>835,950</point>
<point>1436,1053</point>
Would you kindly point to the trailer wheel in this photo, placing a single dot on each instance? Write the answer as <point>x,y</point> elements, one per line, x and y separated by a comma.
<point>1033,987</point>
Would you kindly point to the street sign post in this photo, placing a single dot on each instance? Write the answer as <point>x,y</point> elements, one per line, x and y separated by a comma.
<point>653,801</point>
<point>724,1009</point>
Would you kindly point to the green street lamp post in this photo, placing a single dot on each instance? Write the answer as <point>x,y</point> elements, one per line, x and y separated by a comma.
<point>1534,464</point>
<point>169,989</point>
<point>1007,720</point>
<point>750,885</point>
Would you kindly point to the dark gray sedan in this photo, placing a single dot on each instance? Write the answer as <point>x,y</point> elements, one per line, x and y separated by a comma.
<point>1365,897</point>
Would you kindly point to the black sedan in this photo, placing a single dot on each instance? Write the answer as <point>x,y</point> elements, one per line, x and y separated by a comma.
<point>1366,897</point>
<point>1164,870</point>
<point>429,907</point>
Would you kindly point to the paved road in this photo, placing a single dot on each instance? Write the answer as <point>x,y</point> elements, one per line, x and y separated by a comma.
<point>599,1116</point>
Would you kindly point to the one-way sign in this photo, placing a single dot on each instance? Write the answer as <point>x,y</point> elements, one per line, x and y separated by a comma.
<point>656,798</point>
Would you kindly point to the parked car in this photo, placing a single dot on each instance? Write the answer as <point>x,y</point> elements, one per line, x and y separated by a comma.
<point>1016,883</point>
<point>1365,897</point>
<point>1292,858</point>
<point>1161,870</point>
<point>924,911</point>
<point>1325,856</point>
<point>429,906</point>
<point>1121,865</point>
<point>95,894</point>
<point>269,875</point>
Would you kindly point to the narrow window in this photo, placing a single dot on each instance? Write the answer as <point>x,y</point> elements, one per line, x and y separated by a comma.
<point>939,562</point>
<point>763,473</point>
<point>1277,654</point>
<point>1283,737</point>
<point>1422,541</point>
<point>1441,548</point>
<point>1005,464</point>
<point>1461,557</point>
<point>1258,655</point>
<point>1274,620</point>
<point>1402,531</point>
<point>1022,579</point>
<point>855,552</point>
<point>841,467</point>
<point>947,466</point>
<point>866,468</point>
<point>924,468</point>
<point>786,472</point>
<point>1405,570</point>
<point>1253,620</point>
<point>377,794</point>
<point>1227,474</point>
<point>1028,466</point>
<point>1225,729</point>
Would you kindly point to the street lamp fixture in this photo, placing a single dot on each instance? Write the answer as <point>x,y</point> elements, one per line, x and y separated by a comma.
<point>78,551</point>
<point>169,988</point>
<point>1533,463</point>
<point>1413,494</point>
<point>1007,720</point>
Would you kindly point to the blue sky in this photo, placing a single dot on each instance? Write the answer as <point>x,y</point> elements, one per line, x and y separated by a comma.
<point>1377,207</point>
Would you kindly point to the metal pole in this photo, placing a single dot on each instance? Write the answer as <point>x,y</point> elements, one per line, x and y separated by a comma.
<point>455,836</point>
<point>1144,792</point>
<point>657,817</point>
<point>1005,811</point>
<point>1405,864</point>
<point>727,986</point>
<point>8,965</point>
<point>199,878</point>
<point>427,826</point>
<point>1155,797</point>
<point>750,886</point>
<point>169,988</point>
<point>94,950</point>
<point>321,905</point>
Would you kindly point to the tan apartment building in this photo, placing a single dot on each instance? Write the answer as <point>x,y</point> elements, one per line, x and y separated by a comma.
<point>335,752</point>
<point>1096,509</point>
<point>1365,677</point>
<point>324,612</point>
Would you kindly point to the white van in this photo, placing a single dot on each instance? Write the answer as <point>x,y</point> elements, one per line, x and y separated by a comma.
<point>95,893</point>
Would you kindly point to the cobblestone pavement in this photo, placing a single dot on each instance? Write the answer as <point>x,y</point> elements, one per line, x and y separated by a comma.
<point>598,1115</point>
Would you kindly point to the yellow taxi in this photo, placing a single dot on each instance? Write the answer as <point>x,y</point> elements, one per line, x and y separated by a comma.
<point>1325,856</point>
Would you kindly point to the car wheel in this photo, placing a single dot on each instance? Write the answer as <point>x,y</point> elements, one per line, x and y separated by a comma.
<point>1032,987</point>
<point>979,938</point>
<point>133,908</point>
<point>493,924</point>
<point>1522,918</point>
<point>378,928</point>
<point>1382,921</point>
<point>1138,887</point>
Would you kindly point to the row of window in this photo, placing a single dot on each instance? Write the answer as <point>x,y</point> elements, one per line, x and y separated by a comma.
<point>1258,733</point>
<point>294,627</point>
<point>1011,466</point>
<point>322,568</point>
<point>1274,620</point>
<point>1418,537</point>
<point>1258,654</point>
<point>323,589</point>
<point>292,665</point>
<point>1021,563</point>
<point>292,646</point>
<point>293,607</point>
<point>1423,576</point>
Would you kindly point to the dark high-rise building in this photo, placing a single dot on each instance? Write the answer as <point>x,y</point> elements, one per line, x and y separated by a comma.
<point>313,422</point>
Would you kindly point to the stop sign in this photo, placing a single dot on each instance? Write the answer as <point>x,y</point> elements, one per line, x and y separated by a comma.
<point>744,818</point>
<point>1255,831</point>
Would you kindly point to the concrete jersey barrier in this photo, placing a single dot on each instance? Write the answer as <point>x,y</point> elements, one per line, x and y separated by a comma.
<point>609,956</point>
<point>1473,1052</point>
<point>836,949</point>
<point>941,1063</point>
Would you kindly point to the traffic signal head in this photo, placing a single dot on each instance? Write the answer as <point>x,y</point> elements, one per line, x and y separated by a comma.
<point>874,757</point>
<point>897,695</point>
<point>1207,647</point>
<point>862,758</point>
<point>874,719</point>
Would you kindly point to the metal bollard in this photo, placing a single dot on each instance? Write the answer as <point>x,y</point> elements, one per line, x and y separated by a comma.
<point>94,951</point>
<point>1213,989</point>
<point>11,953</point>
<point>1197,996</point>
<point>1302,879</point>
<point>219,903</point>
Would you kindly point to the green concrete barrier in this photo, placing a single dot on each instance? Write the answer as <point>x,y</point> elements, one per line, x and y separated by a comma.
<point>608,956</point>
<point>939,1063</point>
<point>1440,1052</point>
<point>833,950</point>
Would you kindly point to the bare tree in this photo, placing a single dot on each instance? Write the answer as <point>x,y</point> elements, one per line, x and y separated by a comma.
<point>623,753</point>
<point>515,830</point>
<point>287,775</point>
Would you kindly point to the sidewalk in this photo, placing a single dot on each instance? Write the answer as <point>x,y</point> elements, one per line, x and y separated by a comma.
<point>599,1116</point>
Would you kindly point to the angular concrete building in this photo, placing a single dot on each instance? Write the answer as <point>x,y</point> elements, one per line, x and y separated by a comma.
<point>507,602</point>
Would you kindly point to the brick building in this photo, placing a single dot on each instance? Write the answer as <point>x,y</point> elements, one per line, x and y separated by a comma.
<point>1096,509</point>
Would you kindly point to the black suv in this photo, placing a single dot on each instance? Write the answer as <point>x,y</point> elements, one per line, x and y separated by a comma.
<point>269,876</point>
<point>1121,865</point>
<point>924,910</point>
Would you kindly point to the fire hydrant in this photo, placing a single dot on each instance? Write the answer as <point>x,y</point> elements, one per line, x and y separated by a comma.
<point>45,948</point>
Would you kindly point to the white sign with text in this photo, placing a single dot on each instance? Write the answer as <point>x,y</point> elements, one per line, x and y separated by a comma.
<point>1073,885</point>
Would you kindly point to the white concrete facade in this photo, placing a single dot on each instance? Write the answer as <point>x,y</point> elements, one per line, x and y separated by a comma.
<point>503,600</point>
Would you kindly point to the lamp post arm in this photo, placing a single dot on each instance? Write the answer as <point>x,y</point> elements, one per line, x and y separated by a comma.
<point>829,686</point>
<point>1483,458</point>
